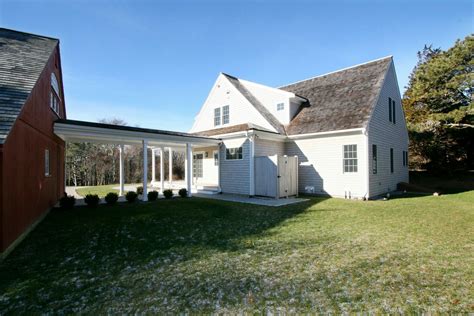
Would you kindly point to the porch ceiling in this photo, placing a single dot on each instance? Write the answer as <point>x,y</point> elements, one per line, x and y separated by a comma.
<point>82,131</point>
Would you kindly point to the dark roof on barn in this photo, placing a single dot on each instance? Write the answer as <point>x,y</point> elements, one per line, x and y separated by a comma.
<point>233,129</point>
<point>256,103</point>
<point>23,57</point>
<point>339,100</point>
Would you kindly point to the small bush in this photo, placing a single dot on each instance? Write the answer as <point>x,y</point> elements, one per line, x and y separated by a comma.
<point>152,195</point>
<point>131,196</point>
<point>168,193</point>
<point>111,198</point>
<point>139,190</point>
<point>183,193</point>
<point>67,201</point>
<point>92,200</point>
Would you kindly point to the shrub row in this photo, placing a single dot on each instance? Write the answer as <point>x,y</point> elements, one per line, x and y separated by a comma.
<point>92,200</point>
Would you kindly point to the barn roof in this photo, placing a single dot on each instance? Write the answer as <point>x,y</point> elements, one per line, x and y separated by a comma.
<point>340,100</point>
<point>23,57</point>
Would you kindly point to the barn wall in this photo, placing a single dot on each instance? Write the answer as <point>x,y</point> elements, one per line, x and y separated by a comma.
<point>27,192</point>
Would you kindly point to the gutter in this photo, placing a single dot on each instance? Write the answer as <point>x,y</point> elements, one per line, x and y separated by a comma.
<point>322,134</point>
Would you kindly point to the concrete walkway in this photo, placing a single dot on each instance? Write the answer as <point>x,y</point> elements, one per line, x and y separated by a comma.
<point>252,200</point>
<point>223,197</point>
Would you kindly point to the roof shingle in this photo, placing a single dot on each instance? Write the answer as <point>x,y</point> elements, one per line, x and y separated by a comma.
<point>339,100</point>
<point>23,57</point>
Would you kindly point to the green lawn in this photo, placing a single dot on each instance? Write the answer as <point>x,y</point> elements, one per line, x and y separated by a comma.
<point>198,255</point>
<point>101,190</point>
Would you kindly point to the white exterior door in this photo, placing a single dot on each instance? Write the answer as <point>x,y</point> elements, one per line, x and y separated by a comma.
<point>198,166</point>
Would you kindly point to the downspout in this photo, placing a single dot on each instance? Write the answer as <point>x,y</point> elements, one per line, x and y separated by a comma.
<point>251,138</point>
<point>367,153</point>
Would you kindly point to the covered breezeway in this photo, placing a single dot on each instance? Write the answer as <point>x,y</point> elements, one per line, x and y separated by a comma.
<point>156,140</point>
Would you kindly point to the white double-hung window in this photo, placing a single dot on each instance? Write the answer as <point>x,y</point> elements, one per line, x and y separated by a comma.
<point>225,114</point>
<point>350,158</point>
<point>225,118</point>
<point>217,116</point>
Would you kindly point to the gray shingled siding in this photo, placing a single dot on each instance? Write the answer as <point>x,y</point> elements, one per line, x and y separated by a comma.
<point>387,135</point>
<point>265,147</point>
<point>234,174</point>
<point>22,59</point>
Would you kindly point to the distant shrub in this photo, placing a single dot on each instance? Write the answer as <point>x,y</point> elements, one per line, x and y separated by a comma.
<point>67,201</point>
<point>168,193</point>
<point>152,195</point>
<point>183,193</point>
<point>111,198</point>
<point>139,190</point>
<point>92,200</point>
<point>131,196</point>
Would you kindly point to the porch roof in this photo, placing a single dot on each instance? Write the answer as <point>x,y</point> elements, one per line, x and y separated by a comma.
<point>83,131</point>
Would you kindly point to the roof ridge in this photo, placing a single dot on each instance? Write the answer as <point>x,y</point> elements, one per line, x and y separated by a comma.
<point>28,33</point>
<point>336,71</point>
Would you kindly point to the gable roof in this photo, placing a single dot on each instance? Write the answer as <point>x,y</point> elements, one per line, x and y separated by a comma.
<point>256,104</point>
<point>339,100</point>
<point>23,57</point>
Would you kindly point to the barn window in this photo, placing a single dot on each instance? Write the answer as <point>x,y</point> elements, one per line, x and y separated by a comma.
<point>405,158</point>
<point>233,153</point>
<point>54,94</point>
<point>350,158</point>
<point>391,160</point>
<point>280,106</point>
<point>46,162</point>
<point>374,159</point>
<point>217,116</point>
<point>225,114</point>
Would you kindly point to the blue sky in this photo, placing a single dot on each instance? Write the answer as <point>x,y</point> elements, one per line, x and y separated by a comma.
<point>153,63</point>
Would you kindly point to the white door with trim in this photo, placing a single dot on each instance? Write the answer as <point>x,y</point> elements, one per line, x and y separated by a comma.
<point>198,166</point>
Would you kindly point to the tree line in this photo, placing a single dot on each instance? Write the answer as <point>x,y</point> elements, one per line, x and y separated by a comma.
<point>90,164</point>
<point>439,108</point>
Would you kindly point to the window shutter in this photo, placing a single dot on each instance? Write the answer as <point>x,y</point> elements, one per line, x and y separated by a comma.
<point>391,160</point>
<point>390,109</point>
<point>393,108</point>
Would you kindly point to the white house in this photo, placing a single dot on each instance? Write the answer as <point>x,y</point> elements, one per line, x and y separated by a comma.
<point>347,129</point>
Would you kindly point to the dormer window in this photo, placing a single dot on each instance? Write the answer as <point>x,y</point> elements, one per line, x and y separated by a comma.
<point>280,106</point>
<point>54,94</point>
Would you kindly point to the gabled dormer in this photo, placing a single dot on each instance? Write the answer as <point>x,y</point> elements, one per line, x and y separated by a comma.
<point>282,104</point>
<point>230,103</point>
<point>234,101</point>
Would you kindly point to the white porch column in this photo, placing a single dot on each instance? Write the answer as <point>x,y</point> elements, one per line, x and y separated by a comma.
<point>219,167</point>
<point>162,169</point>
<point>121,175</point>
<point>170,167</point>
<point>145,170</point>
<point>188,168</point>
<point>252,165</point>
<point>153,163</point>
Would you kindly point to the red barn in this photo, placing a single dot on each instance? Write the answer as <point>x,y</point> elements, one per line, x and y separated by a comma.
<point>31,155</point>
